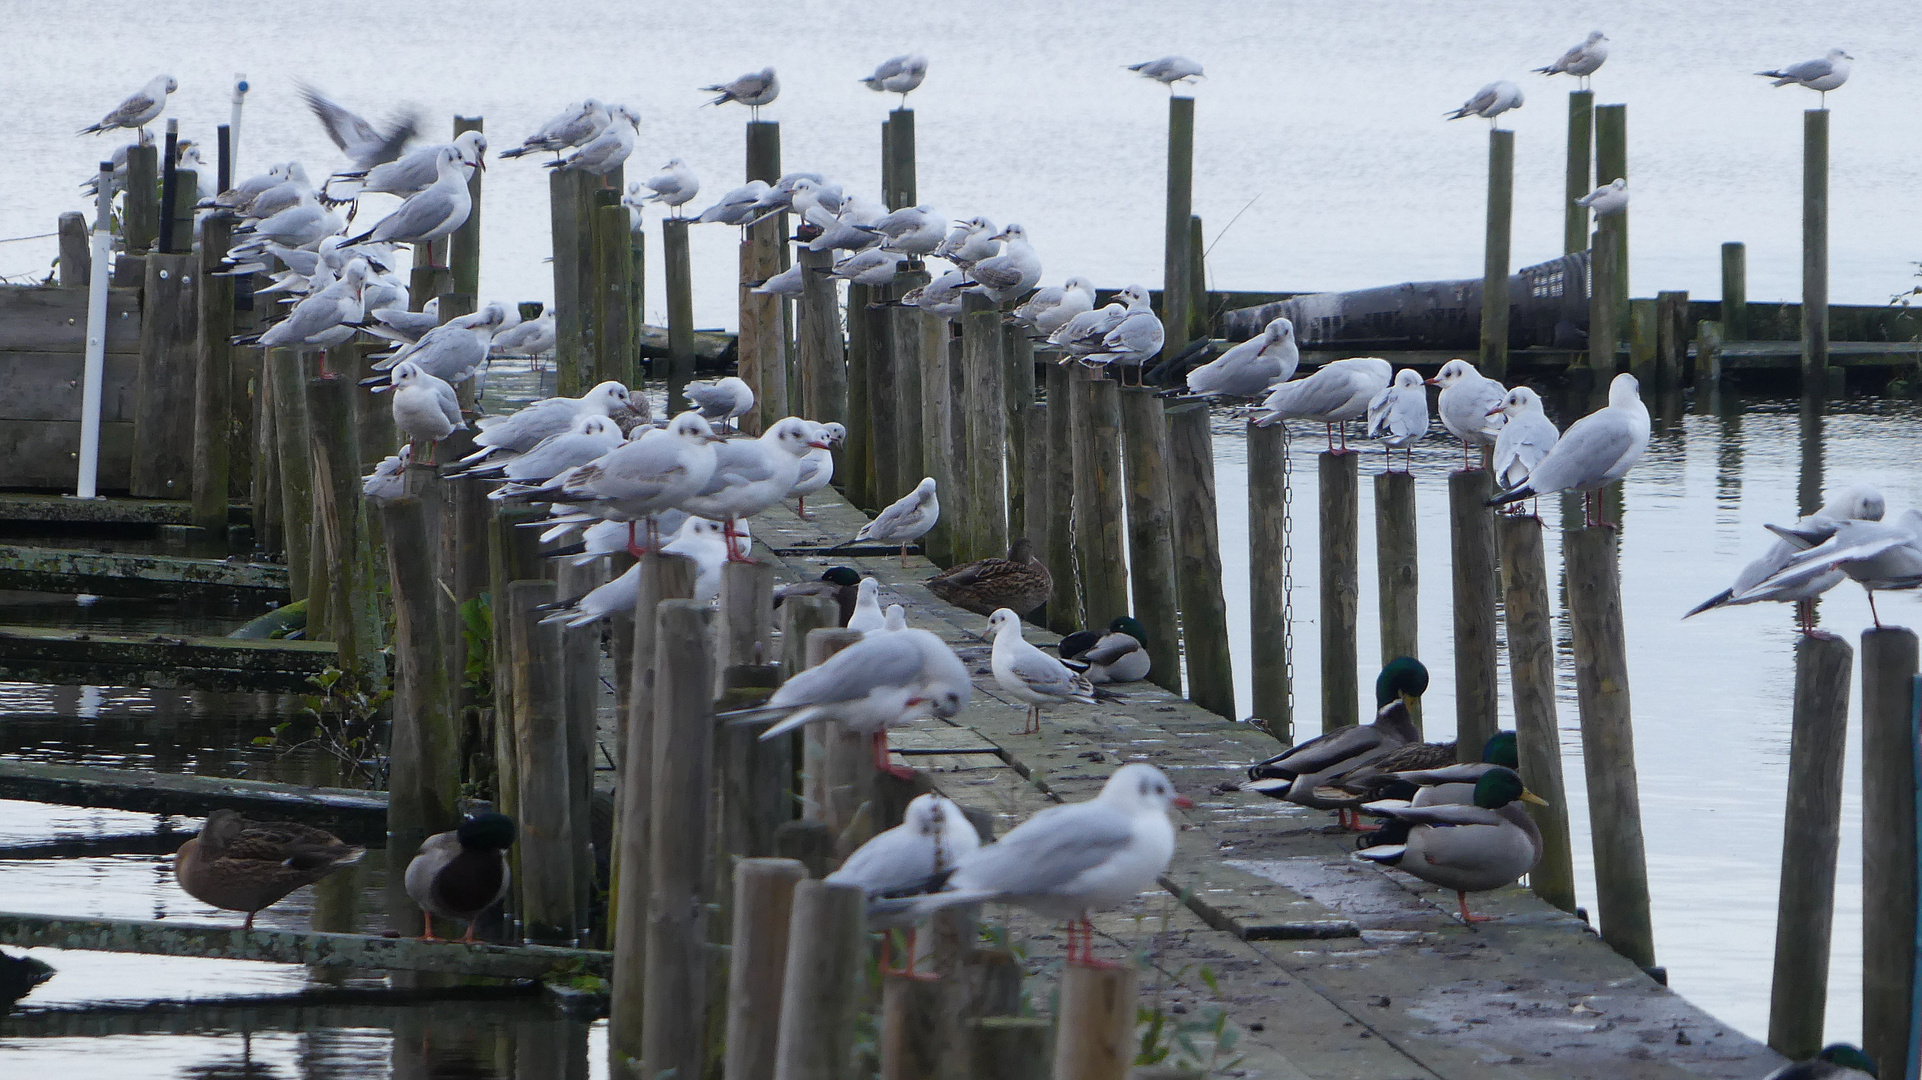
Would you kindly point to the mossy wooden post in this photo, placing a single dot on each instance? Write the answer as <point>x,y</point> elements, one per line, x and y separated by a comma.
<point>1064,606</point>
<point>423,780</point>
<point>1811,831</point>
<point>1204,609</point>
<point>883,413</point>
<point>1177,264</point>
<point>1708,352</point>
<point>985,370</point>
<point>1471,546</point>
<point>463,247</point>
<point>1010,1048</point>
<point>546,836</point>
<point>1581,135</point>
<point>1100,520</point>
<point>1340,475</point>
<point>213,379</point>
<point>163,406</point>
<point>908,340</point>
<point>580,700</point>
<point>1267,578</point>
<point>1735,291</point>
<point>573,367</point>
<point>269,529</point>
<point>821,988</point>
<point>1151,550</point>
<point>1017,352</point>
<point>295,482</point>
<point>822,349</point>
<point>1642,342</point>
<point>915,1020</point>
<point>762,343</point>
<point>1888,843</point>
<point>614,330</point>
<point>1611,164</point>
<point>898,158</point>
<point>679,270</point>
<point>1531,670</point>
<point>674,1027</point>
<point>1671,337</point>
<point>140,210</point>
<point>837,765</point>
<point>1603,315</point>
<point>1037,519</point>
<point>757,968</point>
<point>937,438</point>
<point>354,613</point>
<point>1815,251</point>
<point>662,577</point>
<point>856,463</point>
<point>1608,742</point>
<point>76,253</point>
<point>373,413</point>
<point>1397,574</point>
<point>1094,1031</point>
<point>1495,245</point>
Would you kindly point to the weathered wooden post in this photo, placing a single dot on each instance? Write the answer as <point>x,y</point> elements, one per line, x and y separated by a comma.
<point>680,308</point>
<point>856,464</point>
<point>1017,353</point>
<point>1010,1048</point>
<point>140,212</point>
<point>916,1018</point>
<point>269,529</point>
<point>1269,636</point>
<point>1099,514</point>
<point>937,433</point>
<point>1581,133</point>
<point>1604,316</point>
<point>1471,544</point>
<point>1611,164</point>
<point>1888,844</point>
<point>1811,831</point>
<point>674,1036</point>
<point>1608,742</point>
<point>1397,575</point>
<point>1177,266</point>
<point>762,344</point>
<point>567,191</point>
<point>1642,334</point>
<point>985,370</point>
<point>463,247</point>
<point>1151,550</point>
<point>1094,1034</point>
<point>1064,606</point>
<point>213,379</point>
<point>580,707</point>
<point>1671,337</point>
<point>883,413</point>
<point>285,369</point>
<point>354,614</point>
<point>76,260</point>
<point>1037,519</point>
<point>614,329</point>
<point>837,765</point>
<point>164,397</point>
<point>822,350</point>
<point>1815,252</point>
<point>1340,587</point>
<point>1501,213</point>
<point>1735,291</point>
<point>757,968</point>
<point>898,158</point>
<point>1204,609</point>
<point>1531,671</point>
<point>546,840</point>
<point>908,340</point>
<point>821,989</point>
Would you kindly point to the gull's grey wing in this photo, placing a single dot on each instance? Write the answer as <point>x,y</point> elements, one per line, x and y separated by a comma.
<point>1047,851</point>
<point>999,272</point>
<point>1046,675</point>
<point>348,130</point>
<point>1808,69</point>
<point>892,863</point>
<point>1318,394</point>
<point>734,464</point>
<point>449,403</point>
<point>895,516</point>
<point>418,215</point>
<point>1590,447</point>
<point>854,672</point>
<point>125,113</point>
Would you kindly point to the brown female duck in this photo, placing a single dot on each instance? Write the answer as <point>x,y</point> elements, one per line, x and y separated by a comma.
<point>1019,582</point>
<point>243,865</point>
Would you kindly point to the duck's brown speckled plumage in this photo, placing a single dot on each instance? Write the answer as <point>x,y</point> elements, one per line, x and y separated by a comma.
<point>1019,582</point>
<point>244,865</point>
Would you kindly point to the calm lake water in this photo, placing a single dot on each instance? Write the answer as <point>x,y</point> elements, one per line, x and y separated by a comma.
<point>1320,126</point>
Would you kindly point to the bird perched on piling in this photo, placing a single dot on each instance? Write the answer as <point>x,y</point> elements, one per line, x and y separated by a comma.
<point>915,856</point>
<point>1526,437</point>
<point>736,207</point>
<point>720,401</point>
<point>141,108</point>
<point>1473,847</point>
<point>1823,74</point>
<point>454,351</point>
<point>970,242</point>
<point>866,615</point>
<point>243,865</point>
<point>1334,393</point>
<point>1117,654</point>
<point>912,230</point>
<point>1398,416</point>
<point>637,479</point>
<point>389,478</point>
<point>1251,367</point>
<point>1168,70</point>
<point>1582,60</point>
<point>523,429</point>
<point>1014,271</point>
<point>1595,451</point>
<point>755,89</point>
<point>1019,582</point>
<point>413,171</point>
<point>905,520</point>
<point>674,186</point>
<point>1858,503</point>
<point>1837,1061</point>
<point>608,150</point>
<point>580,122</point>
<point>898,75</point>
<point>751,475</point>
<point>431,213</point>
<point>1050,309</point>
<point>1609,199</point>
<point>461,873</point>
<point>1470,407</point>
<point>1030,674</point>
<point>1296,773</point>
<point>1135,340</point>
<point>425,408</point>
<point>590,437</point>
<point>1491,101</point>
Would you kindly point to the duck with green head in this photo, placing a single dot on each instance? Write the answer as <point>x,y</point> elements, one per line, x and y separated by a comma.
<point>1119,655</point>
<point>1424,773</point>
<point>840,584</point>
<point>1837,1061</point>
<point>460,874</point>
<point>1472,847</point>
<point>1298,774</point>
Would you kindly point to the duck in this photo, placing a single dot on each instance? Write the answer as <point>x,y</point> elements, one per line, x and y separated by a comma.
<point>1118,655</point>
<point>1483,845</point>
<point>243,865</point>
<point>838,583</point>
<point>1426,773</point>
<point>1837,1061</point>
<point>19,975</point>
<point>1019,582</point>
<point>1455,783</point>
<point>461,873</point>
<point>1296,773</point>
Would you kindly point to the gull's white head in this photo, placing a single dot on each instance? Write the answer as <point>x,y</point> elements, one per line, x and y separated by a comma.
<point>1859,501</point>
<point>796,436</point>
<point>1520,400</point>
<point>611,395</point>
<point>1834,55</point>
<point>834,434</point>
<point>594,425</point>
<point>1138,788</point>
<point>1408,378</point>
<point>1012,233</point>
<point>1595,36</point>
<point>925,815</point>
<point>692,425</point>
<point>1002,619</point>
<point>1134,295</point>
<point>1079,284</point>
<point>1453,372</point>
<point>925,488</point>
<point>1279,330</point>
<point>1624,390</point>
<point>405,373</point>
<point>895,618</point>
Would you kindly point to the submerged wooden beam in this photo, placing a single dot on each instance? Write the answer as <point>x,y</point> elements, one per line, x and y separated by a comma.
<point>59,509</point>
<point>294,947</point>
<point>349,814</point>
<point>158,577</point>
<point>236,665</point>
<point>309,1010</point>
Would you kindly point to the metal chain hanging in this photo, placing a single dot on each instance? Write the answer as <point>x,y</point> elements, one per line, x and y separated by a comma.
<point>1288,570</point>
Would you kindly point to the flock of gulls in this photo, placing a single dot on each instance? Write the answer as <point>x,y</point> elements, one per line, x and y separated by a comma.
<point>614,478</point>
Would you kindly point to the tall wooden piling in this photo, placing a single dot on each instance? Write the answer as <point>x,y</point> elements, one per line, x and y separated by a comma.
<point>1531,672</point>
<point>580,708</point>
<point>295,482</point>
<point>679,270</point>
<point>918,1025</point>
<point>76,251</point>
<point>1611,164</point>
<point>140,210</point>
<point>1037,513</point>
<point>1151,550</point>
<point>762,343</point>
<point>1735,291</point>
<point>1064,605</point>
<point>1204,609</point>
<point>1888,844</point>
<point>822,349</point>
<point>1501,213</point>
<point>1471,545</point>
<point>1581,134</point>
<point>1642,331</point>
<point>674,1036</point>
<point>856,464</point>
<point>757,968</point>
<point>1340,587</point>
<point>1608,742</point>
<point>1604,317</point>
<point>163,406</point>
<point>908,341</point>
<point>884,411</point>
<point>821,989</point>
<point>1811,830</point>
<point>1177,265</point>
<point>1397,575</point>
<point>1099,512</point>
<point>346,535</point>
<point>1094,1032</point>
<point>985,372</point>
<point>615,335</point>
<point>264,495</point>
<point>898,158</point>
<point>213,379</point>
<point>1815,251</point>
<point>1017,357</point>
<point>1672,331</point>
<point>546,839</point>
<point>463,247</point>
<point>1269,635</point>
<point>567,191</point>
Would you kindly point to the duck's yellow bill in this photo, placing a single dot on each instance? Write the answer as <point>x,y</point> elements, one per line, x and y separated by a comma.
<point>1531,797</point>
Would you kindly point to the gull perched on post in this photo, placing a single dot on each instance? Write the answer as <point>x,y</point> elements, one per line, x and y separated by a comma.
<point>424,407</point>
<point>578,123</point>
<point>1398,416</point>
<point>140,109</point>
<point>1470,405</point>
<point>674,185</point>
<point>1335,393</point>
<point>1168,70</point>
<point>1582,60</point>
<point>432,213</point>
<point>1251,367</point>
<point>1526,437</point>
<point>1491,101</point>
<point>1610,198</point>
<point>1822,74</point>
<point>755,89</point>
<point>606,151</point>
<point>898,75</point>
<point>1595,451</point>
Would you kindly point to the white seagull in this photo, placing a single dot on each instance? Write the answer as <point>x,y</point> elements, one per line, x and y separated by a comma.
<point>908,519</point>
<point>1878,555</point>
<point>817,468</point>
<point>755,89</point>
<point>580,122</point>
<point>1491,101</point>
<point>606,151</point>
<point>431,213</point>
<point>1470,406</point>
<point>911,858</point>
<point>1582,60</point>
<point>1398,416</point>
<point>867,616</point>
<point>721,400</point>
<point>1050,309</point>
<point>1168,70</point>
<point>1610,198</point>
<point>675,185</point>
<point>1030,674</point>
<point>1858,503</point>
<point>898,75</point>
<point>365,145</point>
<point>425,408</point>
<point>1014,271</point>
<point>140,109</point>
<point>1526,437</point>
<point>751,475</point>
<point>1823,74</point>
<point>1250,368</point>
<point>1334,393</point>
<point>1595,451</point>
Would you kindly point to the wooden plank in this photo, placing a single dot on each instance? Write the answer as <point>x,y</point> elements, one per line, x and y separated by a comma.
<point>46,386</point>
<point>67,657</point>
<point>38,319</point>
<point>357,816</point>
<point>161,577</point>
<point>44,453</point>
<point>358,951</point>
<point>27,508</point>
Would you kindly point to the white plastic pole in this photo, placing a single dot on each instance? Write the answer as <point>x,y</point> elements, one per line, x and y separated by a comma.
<point>84,486</point>
<point>233,128</point>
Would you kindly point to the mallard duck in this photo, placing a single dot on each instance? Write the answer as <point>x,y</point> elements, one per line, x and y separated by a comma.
<point>243,865</point>
<point>1119,655</point>
<point>1837,1061</point>
<point>1468,848</point>
<point>1425,773</point>
<point>18,976</point>
<point>1019,582</point>
<point>460,874</point>
<point>837,583</point>
<point>1295,774</point>
<point>1455,783</point>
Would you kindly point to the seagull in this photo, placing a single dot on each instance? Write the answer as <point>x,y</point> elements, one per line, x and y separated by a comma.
<point>1168,70</point>
<point>1582,60</point>
<point>942,296</point>
<point>970,242</point>
<point>1335,393</point>
<point>1398,416</point>
<point>912,230</point>
<point>1595,451</point>
<point>872,267</point>
<point>1610,198</point>
<point>300,224</point>
<point>915,856</point>
<point>755,89</point>
<point>413,171</point>
<point>433,212</point>
<point>1084,333</point>
<point>1251,367</point>
<point>851,230</point>
<point>525,428</point>
<point>1526,437</point>
<point>1014,271</point>
<point>1069,860</point>
<point>867,614</point>
<point>1878,555</point>
<point>637,479</point>
<point>1859,503</point>
<point>817,468</point>
<point>365,145</point>
<point>606,151</point>
<point>1470,405</point>
<point>533,337</point>
<point>735,207</point>
<point>1137,337</point>
<point>1824,74</point>
<point>454,351</point>
<point>870,686</point>
<point>589,437</point>
<point>908,519</point>
<point>1030,674</point>
<point>389,478</point>
<point>578,123</point>
<point>791,282</point>
<point>751,475</point>
<point>322,320</point>
<point>1049,309</point>
<point>898,75</point>
<point>424,407</point>
<point>402,325</point>
<point>140,109</point>
<point>721,400</point>
<point>675,185</point>
<point>1491,101</point>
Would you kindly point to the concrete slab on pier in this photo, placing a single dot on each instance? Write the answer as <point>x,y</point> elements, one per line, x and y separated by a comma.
<point>234,665</point>
<point>152,577</point>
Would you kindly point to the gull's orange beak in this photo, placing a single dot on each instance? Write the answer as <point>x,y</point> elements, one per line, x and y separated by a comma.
<point>1184,802</point>
<point>1497,410</point>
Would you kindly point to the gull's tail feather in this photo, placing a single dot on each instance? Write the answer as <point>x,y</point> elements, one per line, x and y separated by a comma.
<point>1715,601</point>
